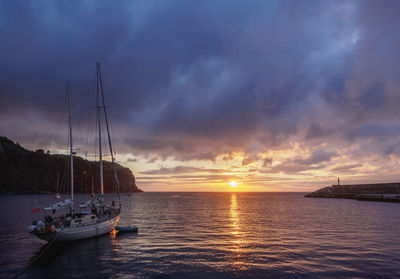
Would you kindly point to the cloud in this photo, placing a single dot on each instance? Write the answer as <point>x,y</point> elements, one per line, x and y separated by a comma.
<point>317,156</point>
<point>131,160</point>
<point>249,159</point>
<point>346,168</point>
<point>267,161</point>
<point>293,168</point>
<point>315,161</point>
<point>216,86</point>
<point>316,131</point>
<point>153,159</point>
<point>180,169</point>
<point>192,81</point>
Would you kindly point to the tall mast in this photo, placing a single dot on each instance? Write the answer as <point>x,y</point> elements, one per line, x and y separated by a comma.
<point>71,154</point>
<point>108,134</point>
<point>99,120</point>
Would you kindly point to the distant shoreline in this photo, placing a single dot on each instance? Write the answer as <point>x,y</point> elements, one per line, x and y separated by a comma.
<point>381,192</point>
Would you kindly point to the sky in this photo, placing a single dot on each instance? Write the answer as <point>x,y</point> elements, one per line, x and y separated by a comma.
<point>275,95</point>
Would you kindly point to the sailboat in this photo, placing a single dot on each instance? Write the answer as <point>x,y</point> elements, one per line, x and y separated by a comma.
<point>93,217</point>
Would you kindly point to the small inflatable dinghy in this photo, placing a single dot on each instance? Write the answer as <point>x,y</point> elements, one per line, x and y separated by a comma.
<point>126,229</point>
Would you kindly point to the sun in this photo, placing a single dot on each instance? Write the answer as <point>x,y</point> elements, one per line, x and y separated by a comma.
<point>233,184</point>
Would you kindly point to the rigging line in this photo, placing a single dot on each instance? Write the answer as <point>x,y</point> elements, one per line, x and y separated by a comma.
<point>94,132</point>
<point>61,120</point>
<point>111,132</point>
<point>63,116</point>
<point>89,136</point>
<point>91,132</point>
<point>36,258</point>
<point>60,126</point>
<point>109,139</point>
<point>94,136</point>
<point>94,119</point>
<point>80,118</point>
<point>64,180</point>
<point>78,130</point>
<point>95,126</point>
<point>89,96</point>
<point>100,129</point>
<point>60,116</point>
<point>64,120</point>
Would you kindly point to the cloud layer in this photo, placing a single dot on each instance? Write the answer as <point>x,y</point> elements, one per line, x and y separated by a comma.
<point>190,80</point>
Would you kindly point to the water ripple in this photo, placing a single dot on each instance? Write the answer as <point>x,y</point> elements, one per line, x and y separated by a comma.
<point>218,235</point>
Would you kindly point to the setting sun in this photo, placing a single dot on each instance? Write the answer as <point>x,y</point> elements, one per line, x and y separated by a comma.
<point>233,184</point>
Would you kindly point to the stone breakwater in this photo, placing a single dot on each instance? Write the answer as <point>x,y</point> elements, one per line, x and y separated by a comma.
<point>386,192</point>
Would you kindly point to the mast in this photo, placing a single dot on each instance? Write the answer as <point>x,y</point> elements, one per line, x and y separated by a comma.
<point>99,122</point>
<point>71,154</point>
<point>108,134</point>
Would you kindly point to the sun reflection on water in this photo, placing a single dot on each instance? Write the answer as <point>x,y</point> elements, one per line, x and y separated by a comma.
<point>234,215</point>
<point>116,247</point>
<point>238,240</point>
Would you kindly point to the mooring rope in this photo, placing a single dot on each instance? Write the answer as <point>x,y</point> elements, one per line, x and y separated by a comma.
<point>35,259</point>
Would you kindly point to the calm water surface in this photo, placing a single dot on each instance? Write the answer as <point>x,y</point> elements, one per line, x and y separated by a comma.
<point>216,235</point>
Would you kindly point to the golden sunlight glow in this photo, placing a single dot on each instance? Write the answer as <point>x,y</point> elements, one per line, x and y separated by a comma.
<point>274,170</point>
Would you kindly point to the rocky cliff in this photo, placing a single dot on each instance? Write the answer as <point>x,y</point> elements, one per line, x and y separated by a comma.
<point>24,171</point>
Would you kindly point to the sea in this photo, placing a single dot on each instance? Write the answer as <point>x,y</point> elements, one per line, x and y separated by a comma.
<point>213,235</point>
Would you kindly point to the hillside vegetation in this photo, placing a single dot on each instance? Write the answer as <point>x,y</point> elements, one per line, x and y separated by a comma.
<point>25,171</point>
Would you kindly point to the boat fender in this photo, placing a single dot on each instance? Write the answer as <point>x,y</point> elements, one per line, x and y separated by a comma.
<point>40,224</point>
<point>31,228</point>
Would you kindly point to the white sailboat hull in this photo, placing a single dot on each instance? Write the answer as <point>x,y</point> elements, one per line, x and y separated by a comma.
<point>77,233</point>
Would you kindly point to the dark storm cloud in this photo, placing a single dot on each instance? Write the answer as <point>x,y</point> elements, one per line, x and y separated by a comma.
<point>192,80</point>
<point>316,131</point>
<point>367,96</point>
